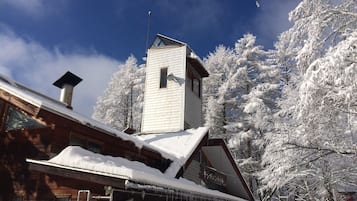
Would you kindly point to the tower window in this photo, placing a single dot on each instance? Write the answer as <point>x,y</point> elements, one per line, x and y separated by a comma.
<point>163,77</point>
<point>193,82</point>
<point>196,87</point>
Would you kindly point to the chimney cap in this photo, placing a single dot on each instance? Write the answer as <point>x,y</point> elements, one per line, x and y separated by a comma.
<point>67,78</point>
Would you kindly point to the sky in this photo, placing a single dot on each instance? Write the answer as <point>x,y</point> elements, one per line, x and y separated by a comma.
<point>40,40</point>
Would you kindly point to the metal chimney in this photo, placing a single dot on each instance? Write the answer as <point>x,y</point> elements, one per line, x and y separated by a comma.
<point>66,83</point>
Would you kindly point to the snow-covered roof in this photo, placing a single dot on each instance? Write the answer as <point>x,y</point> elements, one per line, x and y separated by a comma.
<point>78,159</point>
<point>181,145</point>
<point>176,146</point>
<point>47,103</point>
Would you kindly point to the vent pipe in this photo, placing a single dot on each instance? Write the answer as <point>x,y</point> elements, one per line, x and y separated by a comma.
<point>66,83</point>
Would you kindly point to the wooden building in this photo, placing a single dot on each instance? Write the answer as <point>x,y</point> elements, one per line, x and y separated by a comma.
<point>50,152</point>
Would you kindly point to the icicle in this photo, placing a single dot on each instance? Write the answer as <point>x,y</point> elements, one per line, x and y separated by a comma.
<point>143,195</point>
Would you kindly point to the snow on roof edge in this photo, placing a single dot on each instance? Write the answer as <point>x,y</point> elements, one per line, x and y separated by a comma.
<point>179,144</point>
<point>139,171</point>
<point>46,163</point>
<point>213,193</point>
<point>47,103</point>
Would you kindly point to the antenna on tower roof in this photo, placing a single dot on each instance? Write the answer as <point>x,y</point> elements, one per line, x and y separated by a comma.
<point>147,31</point>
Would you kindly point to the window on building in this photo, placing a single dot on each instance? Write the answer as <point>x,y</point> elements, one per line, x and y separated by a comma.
<point>193,82</point>
<point>196,87</point>
<point>189,81</point>
<point>75,140</point>
<point>94,147</point>
<point>63,198</point>
<point>17,119</point>
<point>82,141</point>
<point>163,77</point>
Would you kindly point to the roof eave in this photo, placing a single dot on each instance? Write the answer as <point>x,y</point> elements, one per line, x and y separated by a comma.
<point>198,66</point>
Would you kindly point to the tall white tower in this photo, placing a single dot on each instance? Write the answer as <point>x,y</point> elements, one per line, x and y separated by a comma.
<point>173,87</point>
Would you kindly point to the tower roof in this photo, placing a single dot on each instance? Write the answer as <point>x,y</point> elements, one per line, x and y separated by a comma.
<point>161,40</point>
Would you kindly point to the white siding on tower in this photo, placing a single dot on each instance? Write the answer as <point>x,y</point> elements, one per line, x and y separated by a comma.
<point>164,107</point>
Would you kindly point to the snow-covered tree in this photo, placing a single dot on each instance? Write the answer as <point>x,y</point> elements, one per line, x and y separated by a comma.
<point>318,25</point>
<point>138,96</point>
<point>257,84</point>
<point>221,65</point>
<point>321,152</point>
<point>313,147</point>
<point>121,104</point>
<point>241,91</point>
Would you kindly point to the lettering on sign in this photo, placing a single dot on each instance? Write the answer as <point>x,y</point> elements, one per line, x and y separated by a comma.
<point>210,175</point>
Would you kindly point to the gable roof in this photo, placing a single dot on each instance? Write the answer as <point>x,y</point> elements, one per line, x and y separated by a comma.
<point>162,41</point>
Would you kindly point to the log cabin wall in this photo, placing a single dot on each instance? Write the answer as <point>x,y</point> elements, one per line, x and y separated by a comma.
<point>47,140</point>
<point>94,140</point>
<point>17,144</point>
<point>53,187</point>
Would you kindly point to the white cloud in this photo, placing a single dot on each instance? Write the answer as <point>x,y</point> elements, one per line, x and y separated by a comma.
<point>30,63</point>
<point>31,7</point>
<point>35,9</point>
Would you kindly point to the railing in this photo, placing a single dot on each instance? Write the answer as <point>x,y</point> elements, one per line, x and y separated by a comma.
<point>87,192</point>
<point>96,197</point>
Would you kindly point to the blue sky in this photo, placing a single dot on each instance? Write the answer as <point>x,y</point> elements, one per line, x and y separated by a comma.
<point>40,39</point>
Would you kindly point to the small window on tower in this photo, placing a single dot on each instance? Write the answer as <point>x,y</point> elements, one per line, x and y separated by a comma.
<point>163,77</point>
<point>196,87</point>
